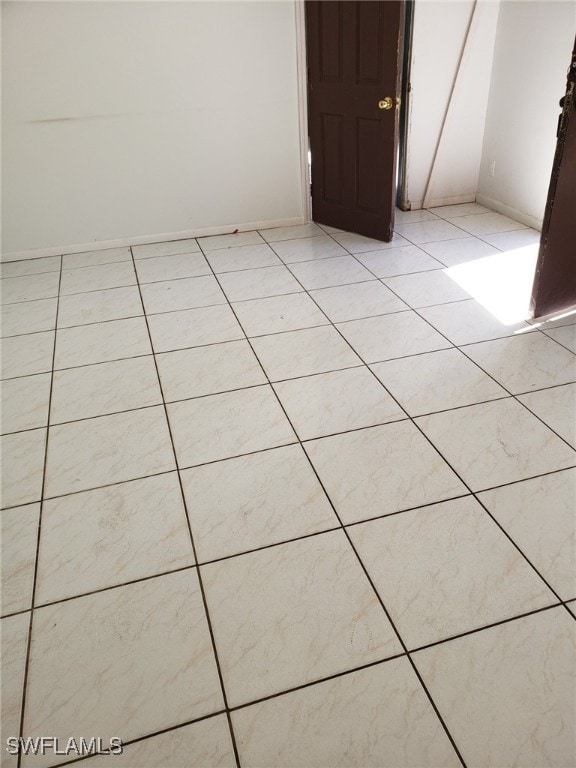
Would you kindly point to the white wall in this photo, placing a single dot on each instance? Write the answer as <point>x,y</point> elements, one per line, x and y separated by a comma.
<point>452,49</point>
<point>138,120</point>
<point>533,48</point>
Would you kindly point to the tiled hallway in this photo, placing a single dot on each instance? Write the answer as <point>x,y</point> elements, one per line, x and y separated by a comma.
<point>288,498</point>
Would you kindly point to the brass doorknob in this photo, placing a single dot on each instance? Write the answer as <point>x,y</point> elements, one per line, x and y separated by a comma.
<point>388,103</point>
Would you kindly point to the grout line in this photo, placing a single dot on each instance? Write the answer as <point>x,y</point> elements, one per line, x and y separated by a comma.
<point>38,539</point>
<point>111,587</point>
<point>312,683</point>
<point>147,736</point>
<point>493,624</point>
<point>192,542</point>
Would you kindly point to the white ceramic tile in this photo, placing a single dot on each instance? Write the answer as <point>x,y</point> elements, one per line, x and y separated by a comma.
<point>398,261</point>
<point>335,402</point>
<point>193,327</point>
<point>279,313</point>
<point>300,353</point>
<point>308,249</point>
<point>538,514</point>
<point>487,223</point>
<point>325,273</point>
<point>507,693</point>
<point>208,370</point>
<point>565,335</point>
<point>459,251</point>
<point>429,231</point>
<point>572,607</point>
<point>92,258</point>
<point>447,569</point>
<point>258,283</point>
<point>229,241</point>
<point>409,217</point>
<point>231,424</point>
<point>466,322</point>
<point>110,536</point>
<point>460,209</point>
<point>28,317</point>
<point>525,362</point>
<point>97,278</point>
<point>13,662</point>
<point>254,501</point>
<point>388,336</point>
<point>360,244</point>
<point>25,403</point>
<point>425,289</point>
<point>22,466</point>
<point>172,267</point>
<point>334,723</point>
<point>436,381</point>
<point>95,390</point>
<point>242,257</point>
<point>29,287</point>
<point>352,302</point>
<point>496,443</point>
<point>260,602</point>
<point>99,306</point>
<point>19,528</point>
<point>204,744</point>
<point>170,248</point>
<point>101,342</point>
<point>188,293</point>
<point>140,653</point>
<point>557,408</point>
<point>289,233</point>
<point>381,470</point>
<point>508,241</point>
<point>30,267</point>
<point>106,450</point>
<point>25,355</point>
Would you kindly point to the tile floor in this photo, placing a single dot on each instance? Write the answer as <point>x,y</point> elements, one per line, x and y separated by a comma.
<point>288,498</point>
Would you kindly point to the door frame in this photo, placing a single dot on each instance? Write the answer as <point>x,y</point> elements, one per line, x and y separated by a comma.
<point>405,93</point>
<point>302,87</point>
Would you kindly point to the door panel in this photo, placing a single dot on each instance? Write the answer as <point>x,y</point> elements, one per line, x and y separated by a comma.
<point>354,54</point>
<point>554,287</point>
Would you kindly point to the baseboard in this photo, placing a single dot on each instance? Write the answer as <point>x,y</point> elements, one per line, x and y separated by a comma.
<point>512,213</point>
<point>101,245</point>
<point>437,202</point>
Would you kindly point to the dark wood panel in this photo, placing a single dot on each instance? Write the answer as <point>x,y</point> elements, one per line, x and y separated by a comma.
<point>333,158</point>
<point>330,42</point>
<point>369,154</point>
<point>369,42</point>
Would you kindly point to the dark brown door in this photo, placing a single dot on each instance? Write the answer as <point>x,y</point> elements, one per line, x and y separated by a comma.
<point>555,280</point>
<point>354,56</point>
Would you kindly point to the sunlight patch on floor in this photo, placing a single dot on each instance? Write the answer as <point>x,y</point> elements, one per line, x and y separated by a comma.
<point>501,283</point>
